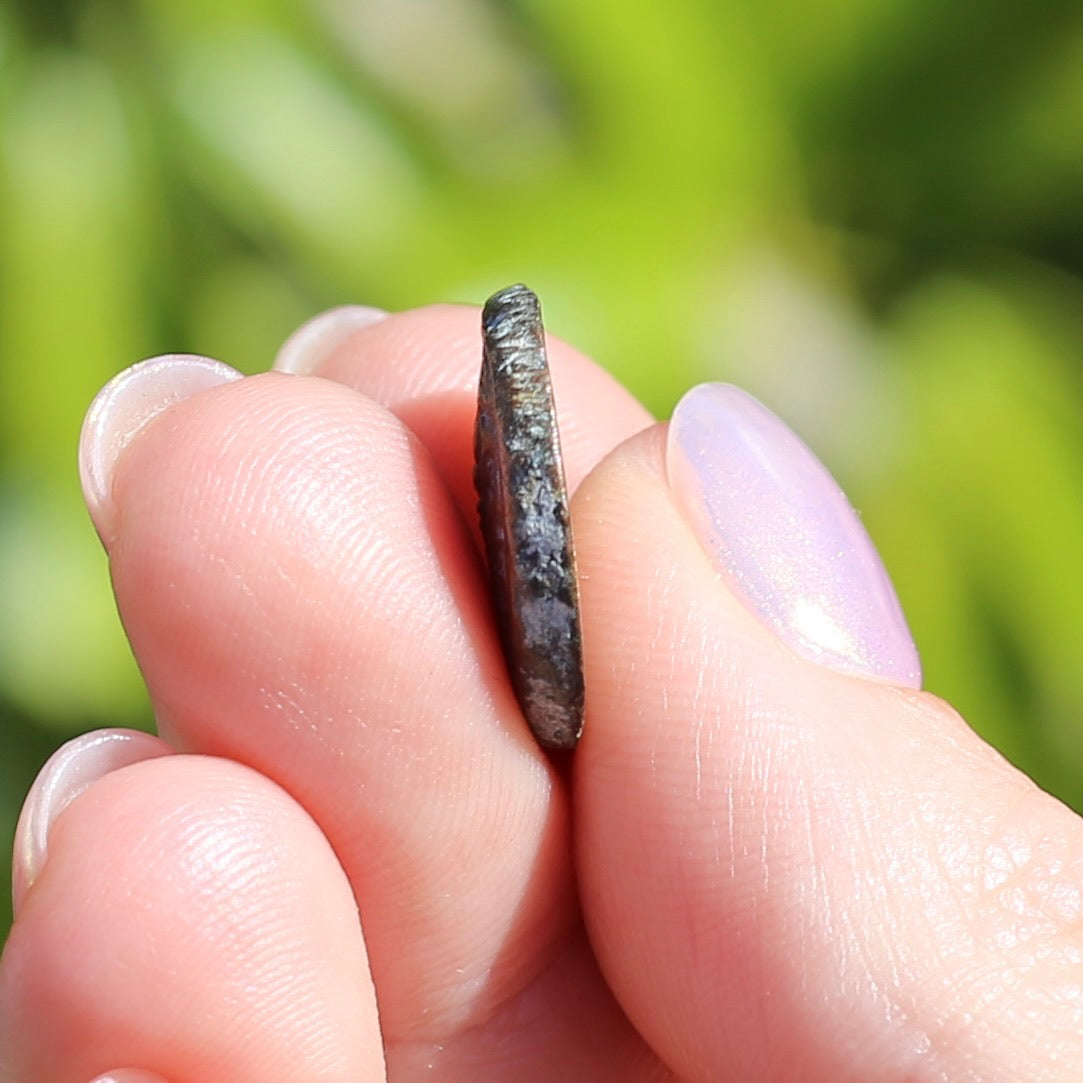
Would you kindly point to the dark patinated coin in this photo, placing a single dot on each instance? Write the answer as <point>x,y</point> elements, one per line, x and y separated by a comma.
<point>523,504</point>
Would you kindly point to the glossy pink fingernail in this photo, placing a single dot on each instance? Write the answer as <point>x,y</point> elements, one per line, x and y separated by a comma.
<point>316,339</point>
<point>777,524</point>
<point>129,1075</point>
<point>68,772</point>
<point>124,407</point>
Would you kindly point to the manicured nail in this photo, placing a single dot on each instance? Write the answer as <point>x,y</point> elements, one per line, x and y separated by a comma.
<point>129,1075</point>
<point>317,339</point>
<point>124,407</point>
<point>778,526</point>
<point>68,772</point>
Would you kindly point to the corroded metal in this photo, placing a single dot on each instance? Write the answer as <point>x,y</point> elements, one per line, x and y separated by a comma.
<point>523,505</point>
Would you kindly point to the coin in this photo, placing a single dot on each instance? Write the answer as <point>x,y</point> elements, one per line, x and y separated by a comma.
<point>523,506</point>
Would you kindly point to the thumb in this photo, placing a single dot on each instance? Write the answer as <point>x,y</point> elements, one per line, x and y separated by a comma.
<point>793,864</point>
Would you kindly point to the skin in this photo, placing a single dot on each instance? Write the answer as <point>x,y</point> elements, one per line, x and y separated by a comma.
<point>753,868</point>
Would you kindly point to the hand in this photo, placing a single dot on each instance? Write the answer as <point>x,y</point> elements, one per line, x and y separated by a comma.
<point>770,858</point>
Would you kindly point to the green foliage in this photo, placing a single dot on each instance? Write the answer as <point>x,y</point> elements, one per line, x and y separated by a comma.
<point>869,213</point>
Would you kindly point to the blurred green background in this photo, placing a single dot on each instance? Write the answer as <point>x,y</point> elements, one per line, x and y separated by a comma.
<point>868,212</point>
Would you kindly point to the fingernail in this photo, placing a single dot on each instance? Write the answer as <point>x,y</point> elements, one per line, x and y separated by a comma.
<point>776,523</point>
<point>129,1075</point>
<point>124,407</point>
<point>69,771</point>
<point>316,339</point>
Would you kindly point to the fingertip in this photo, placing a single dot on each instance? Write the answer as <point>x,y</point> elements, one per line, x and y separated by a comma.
<point>315,341</point>
<point>123,408</point>
<point>775,523</point>
<point>423,365</point>
<point>73,768</point>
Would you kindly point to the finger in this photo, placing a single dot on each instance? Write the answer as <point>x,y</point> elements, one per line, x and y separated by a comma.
<point>789,871</point>
<point>191,921</point>
<point>302,597</point>
<point>423,365</point>
<point>286,553</point>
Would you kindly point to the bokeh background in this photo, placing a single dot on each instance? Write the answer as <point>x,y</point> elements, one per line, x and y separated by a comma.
<point>868,212</point>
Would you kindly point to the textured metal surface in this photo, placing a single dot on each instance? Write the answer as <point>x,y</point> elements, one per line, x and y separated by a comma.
<point>523,504</point>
